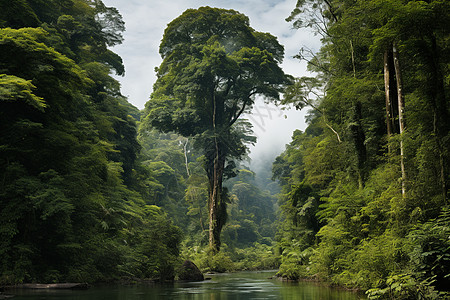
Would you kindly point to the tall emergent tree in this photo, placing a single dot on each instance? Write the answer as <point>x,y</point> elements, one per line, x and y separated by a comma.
<point>214,65</point>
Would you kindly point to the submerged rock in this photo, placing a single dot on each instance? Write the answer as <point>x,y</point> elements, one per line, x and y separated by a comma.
<point>190,272</point>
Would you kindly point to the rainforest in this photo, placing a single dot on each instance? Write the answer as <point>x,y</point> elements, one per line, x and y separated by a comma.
<point>95,190</point>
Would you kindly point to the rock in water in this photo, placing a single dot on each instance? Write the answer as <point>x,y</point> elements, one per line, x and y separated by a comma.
<point>190,272</point>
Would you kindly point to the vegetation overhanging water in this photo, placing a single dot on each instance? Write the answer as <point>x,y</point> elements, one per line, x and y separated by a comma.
<point>94,190</point>
<point>240,285</point>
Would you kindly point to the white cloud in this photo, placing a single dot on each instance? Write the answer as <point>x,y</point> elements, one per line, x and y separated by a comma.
<point>145,23</point>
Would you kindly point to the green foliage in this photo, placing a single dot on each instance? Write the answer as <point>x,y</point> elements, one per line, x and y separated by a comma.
<point>214,64</point>
<point>15,88</point>
<point>295,263</point>
<point>71,206</point>
<point>343,173</point>
<point>164,162</point>
<point>254,257</point>
<point>430,255</point>
<point>209,63</point>
<point>220,262</point>
<point>251,213</point>
<point>257,257</point>
<point>155,247</point>
<point>249,232</point>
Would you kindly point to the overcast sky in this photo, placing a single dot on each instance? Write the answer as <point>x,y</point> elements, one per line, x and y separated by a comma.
<point>145,21</point>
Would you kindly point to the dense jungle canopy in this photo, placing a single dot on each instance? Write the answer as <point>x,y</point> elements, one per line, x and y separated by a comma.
<point>94,190</point>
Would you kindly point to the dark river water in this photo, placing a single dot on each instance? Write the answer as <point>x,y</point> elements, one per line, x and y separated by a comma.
<point>242,285</point>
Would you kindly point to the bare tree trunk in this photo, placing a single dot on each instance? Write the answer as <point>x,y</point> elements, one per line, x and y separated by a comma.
<point>390,87</point>
<point>353,59</point>
<point>216,204</point>
<point>213,200</point>
<point>387,89</point>
<point>401,121</point>
<point>186,158</point>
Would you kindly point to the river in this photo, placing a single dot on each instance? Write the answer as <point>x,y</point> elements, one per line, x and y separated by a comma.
<point>236,286</point>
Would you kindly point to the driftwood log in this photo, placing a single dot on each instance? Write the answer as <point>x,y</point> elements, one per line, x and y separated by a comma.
<point>52,286</point>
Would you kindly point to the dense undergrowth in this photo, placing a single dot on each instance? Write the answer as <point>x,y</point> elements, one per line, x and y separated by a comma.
<point>365,186</point>
<point>89,193</point>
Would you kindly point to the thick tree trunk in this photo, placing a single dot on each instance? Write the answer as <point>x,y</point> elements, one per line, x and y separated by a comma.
<point>387,89</point>
<point>390,88</point>
<point>215,169</point>
<point>401,121</point>
<point>215,204</point>
<point>441,122</point>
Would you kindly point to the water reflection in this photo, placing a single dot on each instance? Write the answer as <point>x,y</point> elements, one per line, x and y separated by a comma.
<point>239,286</point>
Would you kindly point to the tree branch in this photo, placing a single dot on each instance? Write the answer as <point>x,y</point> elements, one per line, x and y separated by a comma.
<point>309,61</point>
<point>307,102</point>
<point>331,128</point>
<point>236,117</point>
<point>330,9</point>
